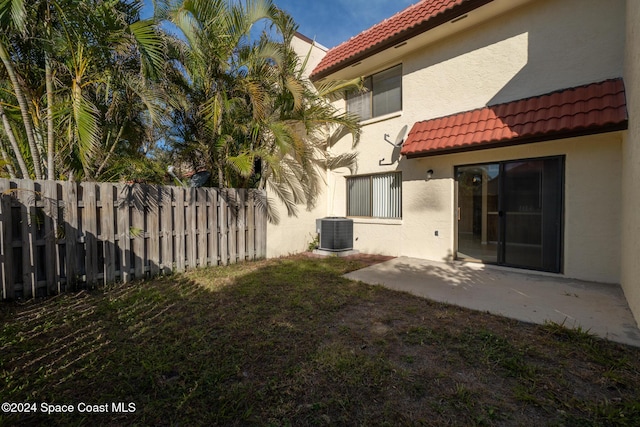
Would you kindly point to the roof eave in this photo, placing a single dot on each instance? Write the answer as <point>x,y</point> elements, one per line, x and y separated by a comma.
<point>402,36</point>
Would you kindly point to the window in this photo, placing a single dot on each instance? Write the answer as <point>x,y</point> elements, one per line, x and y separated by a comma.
<point>375,196</point>
<point>382,95</point>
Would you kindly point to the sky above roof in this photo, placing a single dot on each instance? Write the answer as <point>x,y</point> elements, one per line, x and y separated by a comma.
<point>331,22</point>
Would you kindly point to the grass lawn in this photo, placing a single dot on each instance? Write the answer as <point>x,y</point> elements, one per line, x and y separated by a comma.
<point>291,342</point>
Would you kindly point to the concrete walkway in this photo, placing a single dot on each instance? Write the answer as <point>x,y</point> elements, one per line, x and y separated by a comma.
<point>598,308</point>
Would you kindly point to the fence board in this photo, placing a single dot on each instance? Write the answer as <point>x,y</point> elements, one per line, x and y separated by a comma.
<point>242,225</point>
<point>70,205</point>
<point>251,226</point>
<point>107,235</point>
<point>27,198</point>
<point>56,235</point>
<point>179,228</point>
<point>223,248</point>
<point>6,203</point>
<point>124,238</point>
<point>261,230</point>
<point>153,227</point>
<point>213,224</point>
<point>202,226</point>
<point>233,225</point>
<point>90,228</point>
<point>49,191</point>
<point>166,225</point>
<point>137,229</point>
<point>191,238</point>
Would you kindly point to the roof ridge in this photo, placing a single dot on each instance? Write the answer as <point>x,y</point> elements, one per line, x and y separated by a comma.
<point>414,19</point>
<point>378,24</point>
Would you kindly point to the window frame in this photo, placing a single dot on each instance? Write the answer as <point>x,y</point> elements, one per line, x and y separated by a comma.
<point>369,93</point>
<point>371,195</point>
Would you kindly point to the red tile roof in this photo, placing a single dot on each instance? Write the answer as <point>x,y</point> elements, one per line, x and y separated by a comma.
<point>414,20</point>
<point>593,108</point>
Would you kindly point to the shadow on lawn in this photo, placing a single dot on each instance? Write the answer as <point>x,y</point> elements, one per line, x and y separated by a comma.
<point>207,346</point>
<point>292,342</point>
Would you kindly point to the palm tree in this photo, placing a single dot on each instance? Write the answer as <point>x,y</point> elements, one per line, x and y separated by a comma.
<point>13,21</point>
<point>81,74</point>
<point>249,114</point>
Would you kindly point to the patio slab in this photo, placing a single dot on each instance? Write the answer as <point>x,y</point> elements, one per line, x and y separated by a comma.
<point>598,308</point>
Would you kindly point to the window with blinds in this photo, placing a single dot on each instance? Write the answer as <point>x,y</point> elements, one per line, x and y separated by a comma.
<point>375,196</point>
<point>382,94</point>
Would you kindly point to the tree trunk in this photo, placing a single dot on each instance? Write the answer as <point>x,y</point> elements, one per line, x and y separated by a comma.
<point>7,160</point>
<point>24,110</point>
<point>111,150</point>
<point>51,175</point>
<point>14,144</point>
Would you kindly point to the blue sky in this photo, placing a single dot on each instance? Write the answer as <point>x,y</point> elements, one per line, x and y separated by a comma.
<point>331,22</point>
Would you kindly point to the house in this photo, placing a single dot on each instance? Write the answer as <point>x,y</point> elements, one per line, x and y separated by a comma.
<point>495,131</point>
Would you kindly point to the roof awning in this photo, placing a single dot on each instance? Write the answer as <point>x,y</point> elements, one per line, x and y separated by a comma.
<point>589,109</point>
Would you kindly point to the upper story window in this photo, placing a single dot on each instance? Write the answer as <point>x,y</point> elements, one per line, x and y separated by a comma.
<point>382,95</point>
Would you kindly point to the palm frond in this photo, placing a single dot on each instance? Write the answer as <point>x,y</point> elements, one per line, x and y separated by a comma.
<point>13,13</point>
<point>242,163</point>
<point>150,45</point>
<point>344,160</point>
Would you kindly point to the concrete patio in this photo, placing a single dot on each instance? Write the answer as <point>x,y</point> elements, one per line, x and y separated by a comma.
<point>536,297</point>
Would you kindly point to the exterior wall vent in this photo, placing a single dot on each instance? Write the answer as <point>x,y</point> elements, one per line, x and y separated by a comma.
<point>336,234</point>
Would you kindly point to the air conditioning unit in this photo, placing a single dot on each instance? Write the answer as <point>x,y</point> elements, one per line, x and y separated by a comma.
<point>336,234</point>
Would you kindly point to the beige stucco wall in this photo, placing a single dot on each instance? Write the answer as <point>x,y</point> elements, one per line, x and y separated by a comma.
<point>308,50</point>
<point>536,48</point>
<point>631,164</point>
<point>294,233</point>
<point>592,197</point>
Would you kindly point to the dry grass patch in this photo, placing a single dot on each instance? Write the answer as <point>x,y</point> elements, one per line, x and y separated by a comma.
<point>291,342</point>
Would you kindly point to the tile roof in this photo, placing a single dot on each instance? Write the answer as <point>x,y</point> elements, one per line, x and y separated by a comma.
<point>593,108</point>
<point>413,20</point>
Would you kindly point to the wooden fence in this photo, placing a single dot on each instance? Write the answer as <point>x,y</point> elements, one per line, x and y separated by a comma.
<point>58,235</point>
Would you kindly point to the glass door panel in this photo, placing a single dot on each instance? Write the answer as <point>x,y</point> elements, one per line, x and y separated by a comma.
<point>523,213</point>
<point>510,213</point>
<point>478,224</point>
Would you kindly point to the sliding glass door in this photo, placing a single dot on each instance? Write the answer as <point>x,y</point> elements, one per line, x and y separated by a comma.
<point>510,213</point>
